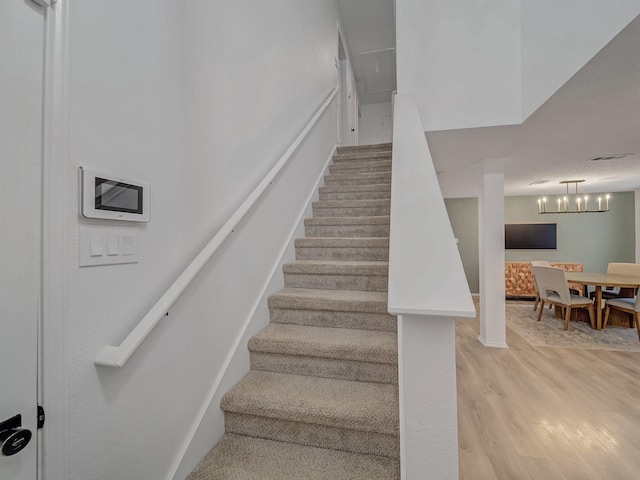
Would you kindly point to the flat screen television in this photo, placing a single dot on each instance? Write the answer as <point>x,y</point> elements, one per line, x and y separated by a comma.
<point>538,236</point>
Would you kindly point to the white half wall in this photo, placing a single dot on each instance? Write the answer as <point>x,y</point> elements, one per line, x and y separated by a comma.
<point>200,99</point>
<point>376,123</point>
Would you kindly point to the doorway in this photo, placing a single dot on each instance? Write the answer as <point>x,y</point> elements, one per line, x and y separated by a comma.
<point>22,41</point>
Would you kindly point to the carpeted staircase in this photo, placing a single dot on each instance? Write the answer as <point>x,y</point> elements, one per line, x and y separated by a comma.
<point>321,399</point>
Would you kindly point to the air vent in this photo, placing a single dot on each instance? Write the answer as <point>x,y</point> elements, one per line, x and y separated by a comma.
<point>605,158</point>
<point>539,182</point>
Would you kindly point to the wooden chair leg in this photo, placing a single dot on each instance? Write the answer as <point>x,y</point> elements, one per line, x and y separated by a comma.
<point>636,316</point>
<point>541,309</point>
<point>592,316</point>
<point>535,305</point>
<point>567,316</point>
<point>605,320</point>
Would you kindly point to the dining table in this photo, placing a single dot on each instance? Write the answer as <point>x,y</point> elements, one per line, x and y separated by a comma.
<point>599,280</point>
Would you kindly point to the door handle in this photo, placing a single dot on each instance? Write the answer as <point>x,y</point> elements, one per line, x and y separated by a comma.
<point>13,438</point>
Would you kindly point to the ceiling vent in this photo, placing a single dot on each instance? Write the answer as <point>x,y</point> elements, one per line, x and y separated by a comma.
<point>379,70</point>
<point>539,182</point>
<point>604,158</point>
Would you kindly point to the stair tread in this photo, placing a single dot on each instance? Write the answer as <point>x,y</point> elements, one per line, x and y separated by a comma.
<point>354,176</point>
<point>362,163</point>
<point>366,147</point>
<point>373,187</point>
<point>337,343</point>
<point>343,242</point>
<point>369,155</point>
<point>352,203</point>
<point>338,267</point>
<point>340,300</point>
<point>238,457</point>
<point>315,400</point>
<point>363,220</point>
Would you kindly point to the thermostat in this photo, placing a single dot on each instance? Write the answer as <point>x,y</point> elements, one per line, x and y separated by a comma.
<point>113,198</point>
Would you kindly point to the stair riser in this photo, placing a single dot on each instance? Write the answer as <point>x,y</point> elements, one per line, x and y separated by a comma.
<point>347,231</point>
<point>367,156</point>
<point>382,322</point>
<point>346,253</point>
<point>313,435</point>
<point>368,283</point>
<point>365,179</point>
<point>325,367</point>
<point>363,168</point>
<point>374,195</point>
<point>381,147</point>
<point>376,210</point>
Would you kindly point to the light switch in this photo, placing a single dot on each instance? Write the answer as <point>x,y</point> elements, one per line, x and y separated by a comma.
<point>127,244</point>
<point>96,246</point>
<point>112,244</point>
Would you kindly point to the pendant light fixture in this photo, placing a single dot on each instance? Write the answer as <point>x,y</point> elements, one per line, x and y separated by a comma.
<point>574,202</point>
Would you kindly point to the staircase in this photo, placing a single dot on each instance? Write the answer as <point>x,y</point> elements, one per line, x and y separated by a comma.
<point>321,399</point>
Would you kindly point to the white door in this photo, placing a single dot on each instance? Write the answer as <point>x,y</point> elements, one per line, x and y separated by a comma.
<point>22,33</point>
<point>353,112</point>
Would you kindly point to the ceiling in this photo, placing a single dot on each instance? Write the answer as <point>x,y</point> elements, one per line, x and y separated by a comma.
<point>369,31</point>
<point>595,113</point>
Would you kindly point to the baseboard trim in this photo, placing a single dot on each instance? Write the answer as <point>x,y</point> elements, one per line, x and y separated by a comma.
<point>492,344</point>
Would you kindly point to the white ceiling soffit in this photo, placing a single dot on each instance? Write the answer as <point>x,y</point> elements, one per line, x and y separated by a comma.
<point>378,70</point>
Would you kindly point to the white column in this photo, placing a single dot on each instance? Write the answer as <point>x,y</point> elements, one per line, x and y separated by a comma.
<point>491,245</point>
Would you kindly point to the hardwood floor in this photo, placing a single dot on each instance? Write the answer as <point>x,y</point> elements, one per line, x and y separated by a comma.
<point>546,412</point>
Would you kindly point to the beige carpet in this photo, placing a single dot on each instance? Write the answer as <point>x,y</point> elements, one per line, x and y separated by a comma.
<point>321,399</point>
<point>549,332</point>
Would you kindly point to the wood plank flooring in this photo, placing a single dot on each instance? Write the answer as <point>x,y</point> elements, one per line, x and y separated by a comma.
<point>546,412</point>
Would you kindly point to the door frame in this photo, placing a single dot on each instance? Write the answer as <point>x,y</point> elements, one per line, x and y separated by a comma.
<point>53,391</point>
<point>342,67</point>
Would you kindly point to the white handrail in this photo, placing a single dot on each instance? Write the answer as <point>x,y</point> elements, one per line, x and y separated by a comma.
<point>117,356</point>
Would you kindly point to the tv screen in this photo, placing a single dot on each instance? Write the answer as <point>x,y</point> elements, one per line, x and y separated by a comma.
<point>530,236</point>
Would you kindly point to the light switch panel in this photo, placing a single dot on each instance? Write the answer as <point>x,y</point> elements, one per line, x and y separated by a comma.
<point>107,245</point>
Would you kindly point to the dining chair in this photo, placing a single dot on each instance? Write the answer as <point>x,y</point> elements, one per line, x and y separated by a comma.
<point>537,263</point>
<point>628,305</point>
<point>622,269</point>
<point>554,289</point>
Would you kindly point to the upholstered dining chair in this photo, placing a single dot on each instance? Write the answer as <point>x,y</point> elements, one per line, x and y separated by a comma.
<point>554,289</point>
<point>537,263</point>
<point>622,269</point>
<point>629,305</point>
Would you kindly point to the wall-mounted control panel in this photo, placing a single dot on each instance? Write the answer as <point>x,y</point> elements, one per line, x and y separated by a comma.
<point>113,198</point>
<point>107,245</point>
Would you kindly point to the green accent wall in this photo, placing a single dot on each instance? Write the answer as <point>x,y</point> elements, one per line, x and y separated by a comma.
<point>463,215</point>
<point>593,239</point>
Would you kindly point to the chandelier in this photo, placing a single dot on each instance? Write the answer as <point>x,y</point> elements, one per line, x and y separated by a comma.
<point>574,203</point>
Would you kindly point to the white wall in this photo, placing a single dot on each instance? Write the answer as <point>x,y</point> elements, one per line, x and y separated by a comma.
<point>200,99</point>
<point>559,38</point>
<point>373,126</point>
<point>461,61</point>
<point>493,62</point>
